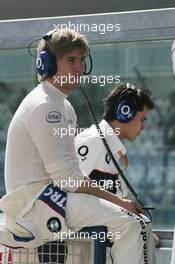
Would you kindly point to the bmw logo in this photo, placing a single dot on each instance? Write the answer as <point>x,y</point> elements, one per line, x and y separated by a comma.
<point>54,225</point>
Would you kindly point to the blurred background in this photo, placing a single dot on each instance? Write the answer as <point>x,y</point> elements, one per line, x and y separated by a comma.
<point>17,9</point>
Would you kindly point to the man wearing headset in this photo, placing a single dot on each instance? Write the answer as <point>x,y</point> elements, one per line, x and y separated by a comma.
<point>124,117</point>
<point>125,113</point>
<point>42,166</point>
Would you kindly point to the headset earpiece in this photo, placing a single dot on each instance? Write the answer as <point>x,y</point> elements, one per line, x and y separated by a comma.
<point>125,111</point>
<point>46,64</point>
<point>126,108</point>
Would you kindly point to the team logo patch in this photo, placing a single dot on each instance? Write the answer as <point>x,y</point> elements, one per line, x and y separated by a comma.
<point>83,151</point>
<point>53,117</point>
<point>54,198</point>
<point>54,225</point>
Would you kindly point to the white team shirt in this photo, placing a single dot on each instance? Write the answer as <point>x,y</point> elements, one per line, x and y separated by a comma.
<point>93,156</point>
<point>36,148</point>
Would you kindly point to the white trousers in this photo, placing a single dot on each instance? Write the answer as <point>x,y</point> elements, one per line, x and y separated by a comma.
<point>133,241</point>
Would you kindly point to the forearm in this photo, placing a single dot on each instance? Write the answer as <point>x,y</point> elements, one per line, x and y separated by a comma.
<point>87,188</point>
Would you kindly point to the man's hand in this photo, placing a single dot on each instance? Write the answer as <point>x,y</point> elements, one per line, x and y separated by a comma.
<point>132,206</point>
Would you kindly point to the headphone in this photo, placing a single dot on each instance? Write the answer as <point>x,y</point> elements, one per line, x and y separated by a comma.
<point>46,64</point>
<point>126,107</point>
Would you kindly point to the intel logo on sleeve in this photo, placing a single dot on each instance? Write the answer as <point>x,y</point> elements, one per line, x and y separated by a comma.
<point>53,117</point>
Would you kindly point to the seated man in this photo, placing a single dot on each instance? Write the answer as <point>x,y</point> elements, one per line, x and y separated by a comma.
<point>47,192</point>
<point>123,119</point>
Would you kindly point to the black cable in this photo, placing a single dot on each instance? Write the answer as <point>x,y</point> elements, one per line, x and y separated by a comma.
<point>91,65</point>
<point>29,47</point>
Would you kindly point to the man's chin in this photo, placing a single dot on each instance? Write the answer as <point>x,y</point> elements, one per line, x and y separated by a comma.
<point>133,138</point>
<point>74,86</point>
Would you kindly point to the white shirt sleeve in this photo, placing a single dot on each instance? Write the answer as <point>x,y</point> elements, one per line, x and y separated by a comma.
<point>49,129</point>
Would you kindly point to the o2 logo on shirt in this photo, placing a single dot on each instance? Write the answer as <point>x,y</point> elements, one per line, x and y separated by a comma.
<point>53,117</point>
<point>83,151</point>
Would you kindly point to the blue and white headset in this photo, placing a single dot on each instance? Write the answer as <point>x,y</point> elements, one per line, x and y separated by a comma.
<point>126,107</point>
<point>46,62</point>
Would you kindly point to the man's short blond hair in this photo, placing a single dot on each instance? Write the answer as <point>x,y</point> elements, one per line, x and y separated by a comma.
<point>62,42</point>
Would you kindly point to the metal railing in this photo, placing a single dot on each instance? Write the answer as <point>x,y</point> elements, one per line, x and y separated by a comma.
<point>75,251</point>
<point>141,25</point>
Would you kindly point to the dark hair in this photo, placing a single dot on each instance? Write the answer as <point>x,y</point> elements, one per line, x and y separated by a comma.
<point>142,97</point>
